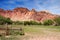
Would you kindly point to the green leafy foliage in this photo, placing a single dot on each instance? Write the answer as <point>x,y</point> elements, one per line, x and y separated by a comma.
<point>48,22</point>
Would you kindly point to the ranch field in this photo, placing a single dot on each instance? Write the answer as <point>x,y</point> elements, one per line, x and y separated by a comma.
<point>35,32</point>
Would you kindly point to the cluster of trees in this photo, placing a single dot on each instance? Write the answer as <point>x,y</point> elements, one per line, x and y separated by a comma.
<point>4,20</point>
<point>26,23</point>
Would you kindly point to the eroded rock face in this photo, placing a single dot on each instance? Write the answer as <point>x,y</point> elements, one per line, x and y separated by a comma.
<point>23,14</point>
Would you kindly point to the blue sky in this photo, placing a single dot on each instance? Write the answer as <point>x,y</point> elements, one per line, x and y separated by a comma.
<point>51,5</point>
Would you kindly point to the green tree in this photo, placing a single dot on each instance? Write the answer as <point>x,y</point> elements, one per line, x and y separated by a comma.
<point>8,21</point>
<point>4,20</point>
<point>26,23</point>
<point>48,22</point>
<point>57,21</point>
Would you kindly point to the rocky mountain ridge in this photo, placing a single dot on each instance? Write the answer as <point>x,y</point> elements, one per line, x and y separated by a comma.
<point>24,14</point>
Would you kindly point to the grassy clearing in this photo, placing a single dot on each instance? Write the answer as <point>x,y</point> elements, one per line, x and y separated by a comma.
<point>37,29</point>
